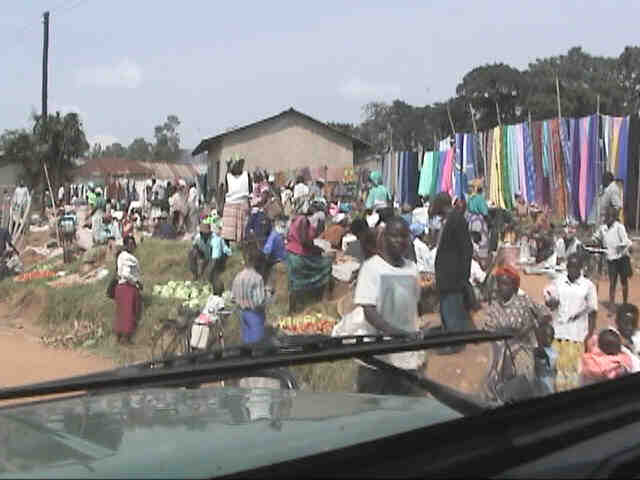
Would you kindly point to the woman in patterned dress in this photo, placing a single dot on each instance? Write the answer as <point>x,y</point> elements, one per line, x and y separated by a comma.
<point>513,310</point>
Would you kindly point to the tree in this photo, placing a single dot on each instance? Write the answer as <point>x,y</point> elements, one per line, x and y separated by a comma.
<point>20,146</point>
<point>628,75</point>
<point>61,139</point>
<point>167,146</point>
<point>139,150</point>
<point>492,87</point>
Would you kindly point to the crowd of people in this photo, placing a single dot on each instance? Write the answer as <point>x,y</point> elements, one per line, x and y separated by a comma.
<point>442,254</point>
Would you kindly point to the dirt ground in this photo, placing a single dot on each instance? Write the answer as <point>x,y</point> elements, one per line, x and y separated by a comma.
<point>467,370</point>
<point>26,360</point>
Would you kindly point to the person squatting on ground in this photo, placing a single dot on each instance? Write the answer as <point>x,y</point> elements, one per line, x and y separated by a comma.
<point>208,253</point>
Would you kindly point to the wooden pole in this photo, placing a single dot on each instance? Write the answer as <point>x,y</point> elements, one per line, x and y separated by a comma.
<point>498,113</point>
<point>558,97</point>
<point>455,147</point>
<point>475,132</point>
<point>53,202</point>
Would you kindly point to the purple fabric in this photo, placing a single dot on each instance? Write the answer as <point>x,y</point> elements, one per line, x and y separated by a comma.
<point>529,164</point>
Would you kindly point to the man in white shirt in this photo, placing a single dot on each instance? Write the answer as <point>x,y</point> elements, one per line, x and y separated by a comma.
<point>613,237</point>
<point>388,291</point>
<point>574,302</point>
<point>612,196</point>
<point>426,250</point>
<point>61,194</point>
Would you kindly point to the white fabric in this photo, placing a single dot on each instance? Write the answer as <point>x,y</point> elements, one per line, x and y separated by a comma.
<point>614,239</point>
<point>477,275</point>
<point>238,188</point>
<point>193,197</point>
<point>395,292</point>
<point>347,239</point>
<point>20,196</point>
<point>372,220</point>
<point>425,256</point>
<point>129,268</point>
<point>611,197</point>
<point>635,361</point>
<point>573,247</point>
<point>61,193</point>
<point>420,215</point>
<point>561,251</point>
<point>574,297</point>
<point>635,339</point>
<point>300,190</point>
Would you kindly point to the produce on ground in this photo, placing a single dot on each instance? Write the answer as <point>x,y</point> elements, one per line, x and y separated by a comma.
<point>35,275</point>
<point>44,266</point>
<point>307,324</point>
<point>194,295</point>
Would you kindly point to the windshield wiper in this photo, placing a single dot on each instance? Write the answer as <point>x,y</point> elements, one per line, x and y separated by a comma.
<point>246,360</point>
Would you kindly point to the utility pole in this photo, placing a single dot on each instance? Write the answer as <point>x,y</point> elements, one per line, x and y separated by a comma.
<point>45,64</point>
<point>43,111</point>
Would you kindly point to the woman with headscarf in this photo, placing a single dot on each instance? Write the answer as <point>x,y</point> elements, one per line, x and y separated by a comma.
<point>97,215</point>
<point>308,268</point>
<point>515,311</point>
<point>379,196</point>
<point>238,187</point>
<point>478,228</point>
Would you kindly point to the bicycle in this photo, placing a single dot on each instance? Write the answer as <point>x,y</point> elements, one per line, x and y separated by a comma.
<point>173,338</point>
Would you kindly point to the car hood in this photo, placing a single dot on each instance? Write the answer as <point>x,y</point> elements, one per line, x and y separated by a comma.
<point>201,432</point>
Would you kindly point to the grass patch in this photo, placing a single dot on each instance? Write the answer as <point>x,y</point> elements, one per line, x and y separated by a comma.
<point>162,261</point>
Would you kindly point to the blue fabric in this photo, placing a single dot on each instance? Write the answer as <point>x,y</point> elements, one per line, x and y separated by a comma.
<point>623,144</point>
<point>592,168</point>
<point>567,158</point>
<point>452,312</point>
<point>575,166</point>
<point>274,246</point>
<point>218,247</point>
<point>529,164</point>
<point>252,326</point>
<point>260,224</point>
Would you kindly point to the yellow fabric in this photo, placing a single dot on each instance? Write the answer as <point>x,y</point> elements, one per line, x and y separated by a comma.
<point>569,364</point>
<point>615,143</point>
<point>496,188</point>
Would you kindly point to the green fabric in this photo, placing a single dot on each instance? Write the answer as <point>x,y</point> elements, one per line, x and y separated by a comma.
<point>100,202</point>
<point>377,195</point>
<point>376,177</point>
<point>91,199</point>
<point>477,204</point>
<point>308,272</point>
<point>506,173</point>
<point>435,173</point>
<point>426,175</point>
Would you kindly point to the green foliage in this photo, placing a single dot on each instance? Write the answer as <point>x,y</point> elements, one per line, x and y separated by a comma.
<point>167,146</point>
<point>487,89</point>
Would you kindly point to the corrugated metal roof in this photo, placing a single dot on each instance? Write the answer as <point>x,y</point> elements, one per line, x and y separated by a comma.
<point>110,166</point>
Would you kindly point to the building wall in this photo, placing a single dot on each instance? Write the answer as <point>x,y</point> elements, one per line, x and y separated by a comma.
<point>286,143</point>
<point>10,173</point>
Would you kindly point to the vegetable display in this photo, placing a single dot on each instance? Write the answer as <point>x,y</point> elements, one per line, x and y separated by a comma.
<point>35,275</point>
<point>194,295</point>
<point>307,324</point>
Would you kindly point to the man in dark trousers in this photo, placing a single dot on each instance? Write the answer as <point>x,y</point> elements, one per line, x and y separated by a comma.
<point>453,267</point>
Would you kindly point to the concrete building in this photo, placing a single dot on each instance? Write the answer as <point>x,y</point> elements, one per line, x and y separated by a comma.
<point>289,140</point>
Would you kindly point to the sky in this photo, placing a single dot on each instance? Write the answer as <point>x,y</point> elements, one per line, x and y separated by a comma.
<point>125,65</point>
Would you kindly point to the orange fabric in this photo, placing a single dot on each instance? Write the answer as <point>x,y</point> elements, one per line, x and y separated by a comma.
<point>508,271</point>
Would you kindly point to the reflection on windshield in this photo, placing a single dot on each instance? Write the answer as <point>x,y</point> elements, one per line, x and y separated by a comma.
<point>84,430</point>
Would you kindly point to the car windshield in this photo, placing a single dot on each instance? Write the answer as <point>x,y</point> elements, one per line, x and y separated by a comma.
<point>191,238</point>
